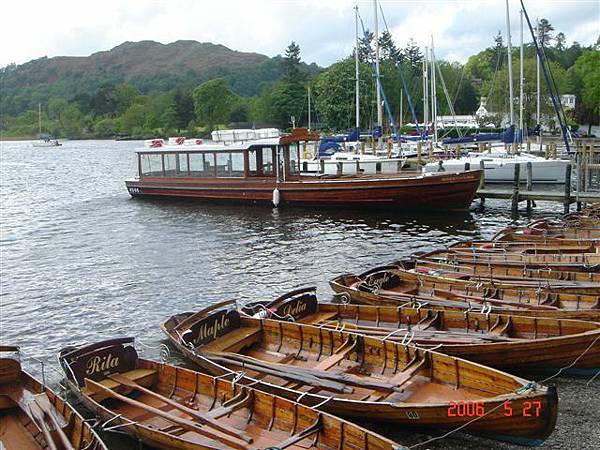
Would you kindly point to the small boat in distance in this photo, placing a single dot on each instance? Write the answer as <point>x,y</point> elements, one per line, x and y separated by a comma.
<point>33,417</point>
<point>269,171</point>
<point>45,139</point>
<point>173,408</point>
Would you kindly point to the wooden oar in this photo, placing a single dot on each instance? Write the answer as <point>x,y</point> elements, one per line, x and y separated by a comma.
<point>286,373</point>
<point>184,423</point>
<point>320,378</point>
<point>202,418</point>
<point>43,402</point>
<point>38,416</point>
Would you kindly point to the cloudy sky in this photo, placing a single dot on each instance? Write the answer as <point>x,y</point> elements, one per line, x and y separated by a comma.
<point>323,28</point>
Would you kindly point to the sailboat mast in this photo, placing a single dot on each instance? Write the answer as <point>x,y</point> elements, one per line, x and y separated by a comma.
<point>40,118</point>
<point>356,71</point>
<point>521,81</point>
<point>426,89</point>
<point>378,78</point>
<point>538,98</point>
<point>510,73</point>
<point>433,95</point>
<point>309,121</point>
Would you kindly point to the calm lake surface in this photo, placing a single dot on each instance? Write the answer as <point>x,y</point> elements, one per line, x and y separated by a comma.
<point>82,261</point>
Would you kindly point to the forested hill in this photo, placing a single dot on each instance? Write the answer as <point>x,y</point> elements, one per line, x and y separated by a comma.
<point>147,65</point>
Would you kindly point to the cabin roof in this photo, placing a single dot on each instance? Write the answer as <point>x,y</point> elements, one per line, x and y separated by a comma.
<point>213,146</point>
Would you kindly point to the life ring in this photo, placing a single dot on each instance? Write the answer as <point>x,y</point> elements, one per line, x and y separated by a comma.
<point>180,140</point>
<point>199,142</point>
<point>156,143</point>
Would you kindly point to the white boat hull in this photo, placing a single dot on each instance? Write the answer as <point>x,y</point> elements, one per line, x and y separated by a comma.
<point>500,170</point>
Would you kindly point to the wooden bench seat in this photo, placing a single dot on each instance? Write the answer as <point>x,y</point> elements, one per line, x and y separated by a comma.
<point>233,341</point>
<point>144,377</point>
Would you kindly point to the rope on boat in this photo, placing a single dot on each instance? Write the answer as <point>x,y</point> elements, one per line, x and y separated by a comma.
<point>592,379</point>
<point>165,351</point>
<point>529,385</point>
<point>573,363</point>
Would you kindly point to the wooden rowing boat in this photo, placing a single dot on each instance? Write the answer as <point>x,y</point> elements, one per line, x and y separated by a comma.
<point>548,233</point>
<point>33,417</point>
<point>540,296</point>
<point>520,281</point>
<point>508,342</point>
<point>169,407</point>
<point>359,376</point>
<point>580,262</point>
<point>364,289</point>
<point>539,247</point>
<point>443,260</point>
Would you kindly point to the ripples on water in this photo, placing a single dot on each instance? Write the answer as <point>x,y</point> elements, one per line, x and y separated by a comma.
<point>83,261</point>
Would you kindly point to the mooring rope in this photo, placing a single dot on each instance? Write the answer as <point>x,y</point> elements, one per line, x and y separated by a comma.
<point>529,385</point>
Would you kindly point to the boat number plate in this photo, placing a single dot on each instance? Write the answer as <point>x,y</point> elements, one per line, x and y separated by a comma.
<point>135,190</point>
<point>413,415</point>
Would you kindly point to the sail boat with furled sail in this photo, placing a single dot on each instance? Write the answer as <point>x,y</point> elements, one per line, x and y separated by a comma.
<point>45,139</point>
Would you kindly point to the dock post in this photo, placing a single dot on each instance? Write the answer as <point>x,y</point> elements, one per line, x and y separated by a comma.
<point>322,164</point>
<point>567,199</point>
<point>467,166</point>
<point>340,168</point>
<point>515,194</point>
<point>357,167</point>
<point>579,171</point>
<point>529,183</point>
<point>482,180</point>
<point>419,145</point>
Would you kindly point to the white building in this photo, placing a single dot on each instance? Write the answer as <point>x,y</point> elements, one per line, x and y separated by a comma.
<point>568,101</point>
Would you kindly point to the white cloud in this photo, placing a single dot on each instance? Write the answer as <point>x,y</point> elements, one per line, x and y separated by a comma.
<point>323,28</point>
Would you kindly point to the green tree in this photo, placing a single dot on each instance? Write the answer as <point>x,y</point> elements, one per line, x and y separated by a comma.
<point>585,75</point>
<point>183,104</point>
<point>544,30</point>
<point>291,61</point>
<point>104,102</point>
<point>213,101</point>
<point>334,95</point>
<point>124,96</point>
<point>387,47</point>
<point>413,54</point>
<point>365,47</point>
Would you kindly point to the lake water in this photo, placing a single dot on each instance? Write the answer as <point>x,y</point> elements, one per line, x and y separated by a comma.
<point>82,261</point>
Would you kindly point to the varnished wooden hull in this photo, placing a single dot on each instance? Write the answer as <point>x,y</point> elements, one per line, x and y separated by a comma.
<point>347,287</point>
<point>429,403</point>
<point>582,283</point>
<point>451,191</point>
<point>440,259</point>
<point>18,429</point>
<point>266,421</point>
<point>504,341</point>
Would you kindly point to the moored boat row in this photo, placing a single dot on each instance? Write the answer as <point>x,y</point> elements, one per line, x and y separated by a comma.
<point>432,341</point>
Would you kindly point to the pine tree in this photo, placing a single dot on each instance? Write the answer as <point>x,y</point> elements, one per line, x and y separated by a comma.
<point>387,48</point>
<point>413,54</point>
<point>291,61</point>
<point>365,50</point>
<point>544,31</point>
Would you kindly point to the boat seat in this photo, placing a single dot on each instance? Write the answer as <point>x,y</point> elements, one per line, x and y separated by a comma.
<point>233,341</point>
<point>144,377</point>
<point>319,318</point>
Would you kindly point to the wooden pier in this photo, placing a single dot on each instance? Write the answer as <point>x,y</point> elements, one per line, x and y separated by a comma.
<point>585,167</point>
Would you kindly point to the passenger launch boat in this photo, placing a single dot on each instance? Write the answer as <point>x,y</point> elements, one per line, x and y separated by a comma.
<point>268,170</point>
<point>506,342</point>
<point>173,408</point>
<point>33,417</point>
<point>362,377</point>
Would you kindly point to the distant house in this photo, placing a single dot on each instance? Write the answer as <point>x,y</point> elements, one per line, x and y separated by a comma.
<point>568,101</point>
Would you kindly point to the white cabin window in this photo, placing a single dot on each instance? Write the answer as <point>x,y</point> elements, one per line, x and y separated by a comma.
<point>170,164</point>
<point>183,163</point>
<point>151,164</point>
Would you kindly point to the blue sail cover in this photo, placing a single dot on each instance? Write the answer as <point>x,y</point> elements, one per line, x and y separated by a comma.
<point>507,136</point>
<point>377,132</point>
<point>331,144</point>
